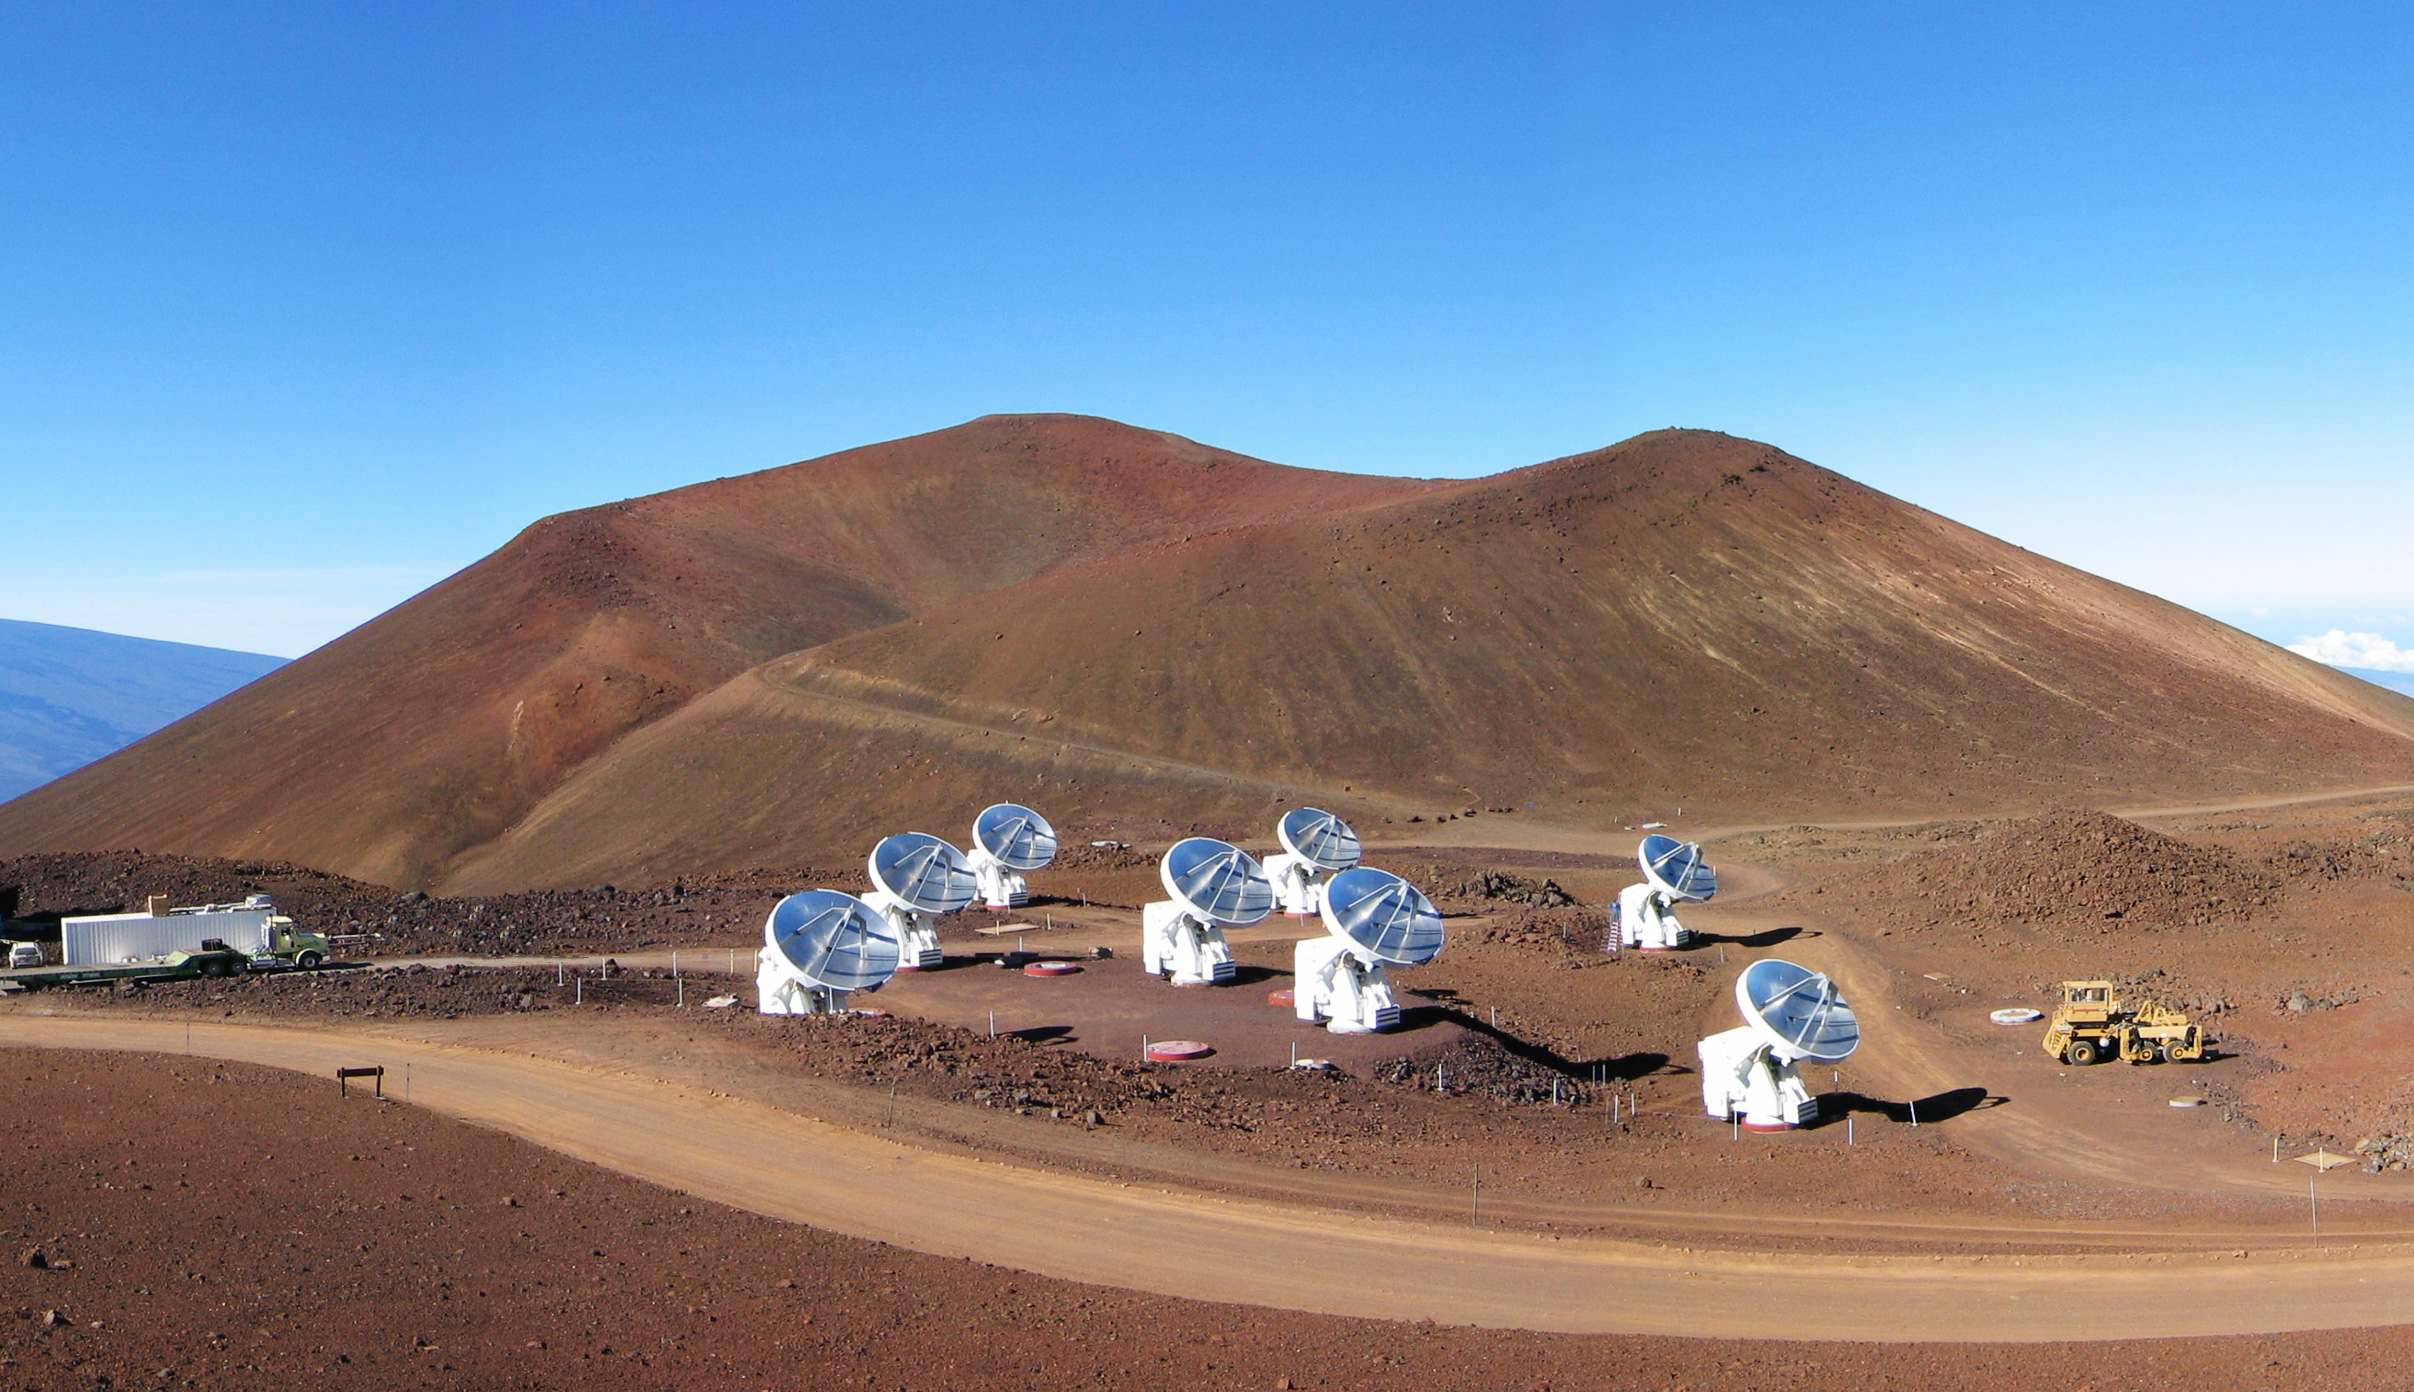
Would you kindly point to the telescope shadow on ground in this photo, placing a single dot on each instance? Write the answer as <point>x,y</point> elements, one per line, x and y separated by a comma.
<point>1767,937</point>
<point>1110,1006</point>
<point>1621,1068</point>
<point>1926,1111</point>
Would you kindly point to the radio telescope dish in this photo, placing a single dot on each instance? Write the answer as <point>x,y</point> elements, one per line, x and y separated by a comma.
<point>833,940</point>
<point>925,872</point>
<point>1676,868</point>
<point>1385,917</point>
<point>1797,1011</point>
<point>1018,837</point>
<point>1319,838</point>
<point>1217,882</point>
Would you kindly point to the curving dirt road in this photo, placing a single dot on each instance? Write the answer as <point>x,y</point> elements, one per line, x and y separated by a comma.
<point>1147,1238</point>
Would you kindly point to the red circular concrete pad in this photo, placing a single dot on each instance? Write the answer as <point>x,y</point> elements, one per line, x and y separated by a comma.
<point>1282,998</point>
<point>1050,968</point>
<point>870,1013</point>
<point>1769,1126</point>
<point>1178,1050</point>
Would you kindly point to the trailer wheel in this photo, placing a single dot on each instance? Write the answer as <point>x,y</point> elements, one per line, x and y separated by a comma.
<point>308,961</point>
<point>2082,1052</point>
<point>213,967</point>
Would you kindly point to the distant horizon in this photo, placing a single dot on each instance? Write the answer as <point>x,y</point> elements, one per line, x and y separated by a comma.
<point>336,601</point>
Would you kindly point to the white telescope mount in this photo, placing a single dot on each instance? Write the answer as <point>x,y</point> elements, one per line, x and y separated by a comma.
<point>916,878</point>
<point>1007,840</point>
<point>1373,920</point>
<point>1673,872</point>
<point>998,886</point>
<point>1315,844</point>
<point>1213,885</point>
<point>1749,1074</point>
<point>819,946</point>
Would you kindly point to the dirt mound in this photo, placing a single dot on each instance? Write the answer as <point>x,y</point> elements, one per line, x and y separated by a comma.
<point>2074,871</point>
<point>1077,614</point>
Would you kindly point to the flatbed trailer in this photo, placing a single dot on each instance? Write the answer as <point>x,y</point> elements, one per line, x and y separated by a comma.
<point>42,978</point>
<point>176,966</point>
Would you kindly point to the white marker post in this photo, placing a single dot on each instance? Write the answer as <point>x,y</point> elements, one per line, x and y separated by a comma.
<point>2323,1162</point>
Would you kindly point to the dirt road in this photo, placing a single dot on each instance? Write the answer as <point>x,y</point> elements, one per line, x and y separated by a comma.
<point>1154,1239</point>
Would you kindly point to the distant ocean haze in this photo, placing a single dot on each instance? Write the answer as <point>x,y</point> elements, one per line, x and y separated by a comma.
<point>69,696</point>
<point>2395,681</point>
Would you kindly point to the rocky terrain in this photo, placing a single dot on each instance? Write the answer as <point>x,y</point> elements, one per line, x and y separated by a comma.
<point>600,919</point>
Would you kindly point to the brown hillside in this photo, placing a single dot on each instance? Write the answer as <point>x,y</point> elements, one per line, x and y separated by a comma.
<point>431,729</point>
<point>1684,618</point>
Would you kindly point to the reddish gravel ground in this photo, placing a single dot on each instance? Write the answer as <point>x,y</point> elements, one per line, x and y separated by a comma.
<point>374,1246</point>
<point>1383,1121</point>
<point>2286,930</point>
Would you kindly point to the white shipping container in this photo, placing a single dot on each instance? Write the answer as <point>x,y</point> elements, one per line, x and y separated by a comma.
<point>108,939</point>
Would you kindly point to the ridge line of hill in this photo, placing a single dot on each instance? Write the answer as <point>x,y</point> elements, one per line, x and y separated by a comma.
<point>1680,618</point>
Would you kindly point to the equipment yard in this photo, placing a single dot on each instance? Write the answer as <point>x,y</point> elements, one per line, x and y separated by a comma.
<point>1561,1180</point>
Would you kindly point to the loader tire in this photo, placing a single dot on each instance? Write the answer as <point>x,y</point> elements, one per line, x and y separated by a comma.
<point>2081,1053</point>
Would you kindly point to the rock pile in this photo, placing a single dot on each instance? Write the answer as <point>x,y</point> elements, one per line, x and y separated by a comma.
<point>2387,1152</point>
<point>1458,888</point>
<point>604,918</point>
<point>404,992</point>
<point>1115,855</point>
<point>2073,872</point>
<point>1480,1066</point>
<point>1029,1077</point>
<point>2388,849</point>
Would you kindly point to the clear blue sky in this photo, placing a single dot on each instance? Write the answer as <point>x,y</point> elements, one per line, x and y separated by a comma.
<point>306,306</point>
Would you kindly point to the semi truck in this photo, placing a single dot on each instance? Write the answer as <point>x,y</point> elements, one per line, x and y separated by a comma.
<point>173,944</point>
<point>253,927</point>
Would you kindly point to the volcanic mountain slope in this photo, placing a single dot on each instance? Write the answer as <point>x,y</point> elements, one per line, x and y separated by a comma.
<point>431,729</point>
<point>1118,624</point>
<point>1685,618</point>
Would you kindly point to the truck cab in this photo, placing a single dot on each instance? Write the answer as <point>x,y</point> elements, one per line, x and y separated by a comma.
<point>287,943</point>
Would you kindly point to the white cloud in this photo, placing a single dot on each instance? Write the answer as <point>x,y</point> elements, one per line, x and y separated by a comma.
<point>2371,651</point>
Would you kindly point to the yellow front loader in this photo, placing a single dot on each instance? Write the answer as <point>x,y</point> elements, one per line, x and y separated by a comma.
<point>2094,1024</point>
